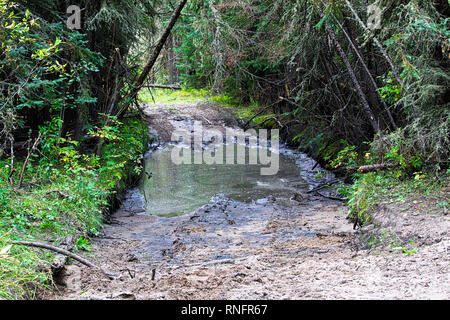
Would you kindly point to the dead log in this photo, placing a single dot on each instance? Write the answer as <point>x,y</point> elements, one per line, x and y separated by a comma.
<point>162,86</point>
<point>364,169</point>
<point>60,260</point>
<point>59,192</point>
<point>374,167</point>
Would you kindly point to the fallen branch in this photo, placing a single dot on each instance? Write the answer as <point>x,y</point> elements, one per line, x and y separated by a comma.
<point>329,197</point>
<point>56,249</point>
<point>260,112</point>
<point>59,192</point>
<point>63,252</point>
<point>374,167</point>
<point>323,186</point>
<point>162,86</point>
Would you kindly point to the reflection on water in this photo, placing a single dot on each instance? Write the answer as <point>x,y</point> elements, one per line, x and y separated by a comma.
<point>172,190</point>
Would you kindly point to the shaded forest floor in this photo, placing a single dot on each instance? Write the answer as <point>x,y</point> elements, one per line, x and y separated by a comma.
<point>275,249</point>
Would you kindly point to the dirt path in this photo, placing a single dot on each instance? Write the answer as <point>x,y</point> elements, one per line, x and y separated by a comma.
<point>297,246</point>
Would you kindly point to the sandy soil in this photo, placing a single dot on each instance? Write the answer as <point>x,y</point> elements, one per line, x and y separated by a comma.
<point>292,247</point>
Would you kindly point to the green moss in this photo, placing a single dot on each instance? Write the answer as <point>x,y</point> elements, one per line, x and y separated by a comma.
<point>245,112</point>
<point>174,96</point>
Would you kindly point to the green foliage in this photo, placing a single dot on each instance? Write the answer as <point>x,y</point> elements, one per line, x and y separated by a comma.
<point>391,91</point>
<point>174,96</point>
<point>347,156</point>
<point>417,37</point>
<point>21,270</point>
<point>262,50</point>
<point>35,71</point>
<point>407,251</point>
<point>362,196</point>
<point>65,192</point>
<point>83,244</point>
<point>123,155</point>
<point>373,188</point>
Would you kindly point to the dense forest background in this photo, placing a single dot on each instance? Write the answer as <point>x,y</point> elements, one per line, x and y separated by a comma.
<point>314,67</point>
<point>349,82</point>
<point>325,78</point>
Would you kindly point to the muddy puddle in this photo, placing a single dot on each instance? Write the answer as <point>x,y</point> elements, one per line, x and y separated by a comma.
<point>198,213</point>
<point>226,232</point>
<point>172,190</point>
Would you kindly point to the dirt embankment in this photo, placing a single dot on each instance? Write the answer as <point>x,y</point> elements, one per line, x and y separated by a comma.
<point>296,246</point>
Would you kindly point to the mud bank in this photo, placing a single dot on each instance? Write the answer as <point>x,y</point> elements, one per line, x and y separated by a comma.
<point>293,245</point>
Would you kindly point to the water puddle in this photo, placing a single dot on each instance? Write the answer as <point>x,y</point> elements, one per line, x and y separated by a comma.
<point>173,190</point>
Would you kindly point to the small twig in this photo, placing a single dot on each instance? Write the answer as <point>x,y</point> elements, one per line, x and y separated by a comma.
<point>329,197</point>
<point>30,152</point>
<point>317,163</point>
<point>151,93</point>
<point>11,172</point>
<point>209,122</point>
<point>131,273</point>
<point>322,186</point>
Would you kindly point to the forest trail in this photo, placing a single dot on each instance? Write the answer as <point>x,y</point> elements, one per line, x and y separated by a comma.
<point>283,247</point>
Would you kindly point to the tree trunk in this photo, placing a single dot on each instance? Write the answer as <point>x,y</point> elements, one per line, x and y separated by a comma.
<point>368,73</point>
<point>364,102</point>
<point>383,52</point>
<point>171,61</point>
<point>148,67</point>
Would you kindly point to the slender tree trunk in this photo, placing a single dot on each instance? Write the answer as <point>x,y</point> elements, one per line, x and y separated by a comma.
<point>151,62</point>
<point>369,74</point>
<point>383,51</point>
<point>171,61</point>
<point>364,102</point>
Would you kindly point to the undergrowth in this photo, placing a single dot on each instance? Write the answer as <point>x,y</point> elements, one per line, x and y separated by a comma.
<point>63,193</point>
<point>373,188</point>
